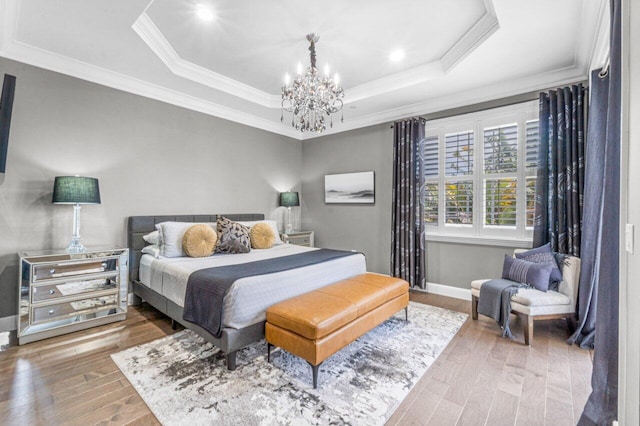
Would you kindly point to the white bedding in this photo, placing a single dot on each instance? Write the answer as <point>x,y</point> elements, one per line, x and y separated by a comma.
<point>248,298</point>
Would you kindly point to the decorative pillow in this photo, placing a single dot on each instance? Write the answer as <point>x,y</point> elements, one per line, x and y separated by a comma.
<point>153,250</point>
<point>544,255</point>
<point>272,223</point>
<point>262,236</point>
<point>233,237</point>
<point>522,271</point>
<point>171,235</point>
<point>199,241</point>
<point>152,238</point>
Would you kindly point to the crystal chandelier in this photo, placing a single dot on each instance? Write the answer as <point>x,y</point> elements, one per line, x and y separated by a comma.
<point>311,97</point>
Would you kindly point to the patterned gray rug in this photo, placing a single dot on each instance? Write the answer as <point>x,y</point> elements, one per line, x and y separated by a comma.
<point>184,380</point>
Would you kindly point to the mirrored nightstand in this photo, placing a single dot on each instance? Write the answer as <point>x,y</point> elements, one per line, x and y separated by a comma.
<point>62,292</point>
<point>300,238</point>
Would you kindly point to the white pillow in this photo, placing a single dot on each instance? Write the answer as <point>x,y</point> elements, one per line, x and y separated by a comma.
<point>171,235</point>
<point>152,238</point>
<point>153,250</point>
<point>272,223</point>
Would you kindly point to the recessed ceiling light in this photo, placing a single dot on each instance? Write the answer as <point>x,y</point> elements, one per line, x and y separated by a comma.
<point>205,13</point>
<point>396,55</point>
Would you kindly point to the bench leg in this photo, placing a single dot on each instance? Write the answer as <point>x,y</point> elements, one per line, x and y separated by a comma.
<point>406,314</point>
<point>269,351</point>
<point>231,360</point>
<point>474,307</point>
<point>174,324</point>
<point>314,370</point>
<point>527,325</point>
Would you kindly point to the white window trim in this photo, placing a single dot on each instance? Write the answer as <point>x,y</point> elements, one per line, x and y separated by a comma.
<point>478,233</point>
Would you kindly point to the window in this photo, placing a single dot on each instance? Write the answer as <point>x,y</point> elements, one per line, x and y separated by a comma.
<point>480,173</point>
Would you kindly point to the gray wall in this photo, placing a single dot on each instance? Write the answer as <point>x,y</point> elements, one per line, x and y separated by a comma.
<point>150,157</point>
<point>365,228</point>
<point>368,228</point>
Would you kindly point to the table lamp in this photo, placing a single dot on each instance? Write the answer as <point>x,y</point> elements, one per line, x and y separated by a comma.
<point>76,190</point>
<point>288,200</point>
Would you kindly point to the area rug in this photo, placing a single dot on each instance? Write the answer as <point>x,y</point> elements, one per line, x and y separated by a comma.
<point>184,380</point>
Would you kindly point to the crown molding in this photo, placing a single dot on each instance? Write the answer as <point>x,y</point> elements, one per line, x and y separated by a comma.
<point>599,52</point>
<point>44,59</point>
<point>396,81</point>
<point>153,37</point>
<point>484,28</point>
<point>500,90</point>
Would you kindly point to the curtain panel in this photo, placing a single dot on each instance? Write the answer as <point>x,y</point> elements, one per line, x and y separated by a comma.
<point>560,183</point>
<point>598,294</point>
<point>408,230</point>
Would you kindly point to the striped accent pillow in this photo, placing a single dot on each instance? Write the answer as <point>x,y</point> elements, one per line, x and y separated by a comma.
<point>543,254</point>
<point>534,274</point>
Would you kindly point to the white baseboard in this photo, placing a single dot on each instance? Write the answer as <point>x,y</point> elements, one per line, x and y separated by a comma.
<point>8,323</point>
<point>447,290</point>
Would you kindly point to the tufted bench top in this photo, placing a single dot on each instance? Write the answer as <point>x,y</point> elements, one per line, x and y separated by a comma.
<point>318,313</point>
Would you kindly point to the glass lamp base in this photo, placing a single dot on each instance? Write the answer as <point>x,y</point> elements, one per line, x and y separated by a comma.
<point>289,229</point>
<point>76,246</point>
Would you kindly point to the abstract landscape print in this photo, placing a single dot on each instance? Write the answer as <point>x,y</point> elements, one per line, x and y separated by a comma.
<point>350,188</point>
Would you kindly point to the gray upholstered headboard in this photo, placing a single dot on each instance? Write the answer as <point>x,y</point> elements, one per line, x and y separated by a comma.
<point>137,226</point>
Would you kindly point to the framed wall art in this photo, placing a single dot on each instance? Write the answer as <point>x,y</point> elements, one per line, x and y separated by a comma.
<point>350,188</point>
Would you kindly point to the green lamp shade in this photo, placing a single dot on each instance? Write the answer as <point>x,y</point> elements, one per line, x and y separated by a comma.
<point>75,190</point>
<point>289,199</point>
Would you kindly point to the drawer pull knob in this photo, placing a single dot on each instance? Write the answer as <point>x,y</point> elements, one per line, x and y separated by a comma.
<point>52,311</point>
<point>52,291</point>
<point>103,302</point>
<point>52,271</point>
<point>104,265</point>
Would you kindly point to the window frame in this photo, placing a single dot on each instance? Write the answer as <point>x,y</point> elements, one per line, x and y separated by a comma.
<point>477,122</point>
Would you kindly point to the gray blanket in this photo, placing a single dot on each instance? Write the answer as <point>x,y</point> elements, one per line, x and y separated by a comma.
<point>206,288</point>
<point>495,302</point>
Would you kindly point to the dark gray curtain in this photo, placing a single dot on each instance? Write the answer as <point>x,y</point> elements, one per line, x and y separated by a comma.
<point>599,275</point>
<point>408,231</point>
<point>560,182</point>
<point>595,176</point>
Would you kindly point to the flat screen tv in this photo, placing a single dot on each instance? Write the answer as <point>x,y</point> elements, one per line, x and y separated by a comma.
<point>6,105</point>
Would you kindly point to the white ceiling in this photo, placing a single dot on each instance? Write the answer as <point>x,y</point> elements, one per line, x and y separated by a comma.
<point>458,52</point>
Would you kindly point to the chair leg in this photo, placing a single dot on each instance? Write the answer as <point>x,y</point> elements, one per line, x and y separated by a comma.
<point>527,326</point>
<point>474,307</point>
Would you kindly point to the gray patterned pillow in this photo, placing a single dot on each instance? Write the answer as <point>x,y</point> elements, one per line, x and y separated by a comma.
<point>544,255</point>
<point>233,237</point>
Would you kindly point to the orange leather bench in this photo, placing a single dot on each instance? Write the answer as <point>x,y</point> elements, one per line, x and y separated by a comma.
<point>317,324</point>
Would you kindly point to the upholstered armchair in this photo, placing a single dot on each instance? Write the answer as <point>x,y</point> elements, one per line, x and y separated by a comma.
<point>531,304</point>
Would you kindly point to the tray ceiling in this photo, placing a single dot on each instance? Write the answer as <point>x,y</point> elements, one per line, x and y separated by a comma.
<point>457,52</point>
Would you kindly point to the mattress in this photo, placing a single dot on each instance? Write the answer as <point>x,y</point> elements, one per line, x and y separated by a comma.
<point>248,299</point>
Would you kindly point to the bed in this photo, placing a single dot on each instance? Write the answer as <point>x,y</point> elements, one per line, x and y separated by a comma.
<point>162,282</point>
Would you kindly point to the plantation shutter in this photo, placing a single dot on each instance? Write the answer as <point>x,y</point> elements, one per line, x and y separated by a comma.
<point>430,157</point>
<point>500,149</point>
<point>459,153</point>
<point>531,144</point>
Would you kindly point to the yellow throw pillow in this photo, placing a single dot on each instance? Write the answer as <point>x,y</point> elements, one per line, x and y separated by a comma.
<point>199,241</point>
<point>262,236</point>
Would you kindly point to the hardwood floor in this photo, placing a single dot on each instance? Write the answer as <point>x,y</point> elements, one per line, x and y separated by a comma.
<point>479,379</point>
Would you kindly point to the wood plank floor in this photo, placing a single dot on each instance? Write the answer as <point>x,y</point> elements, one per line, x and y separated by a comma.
<point>480,378</point>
